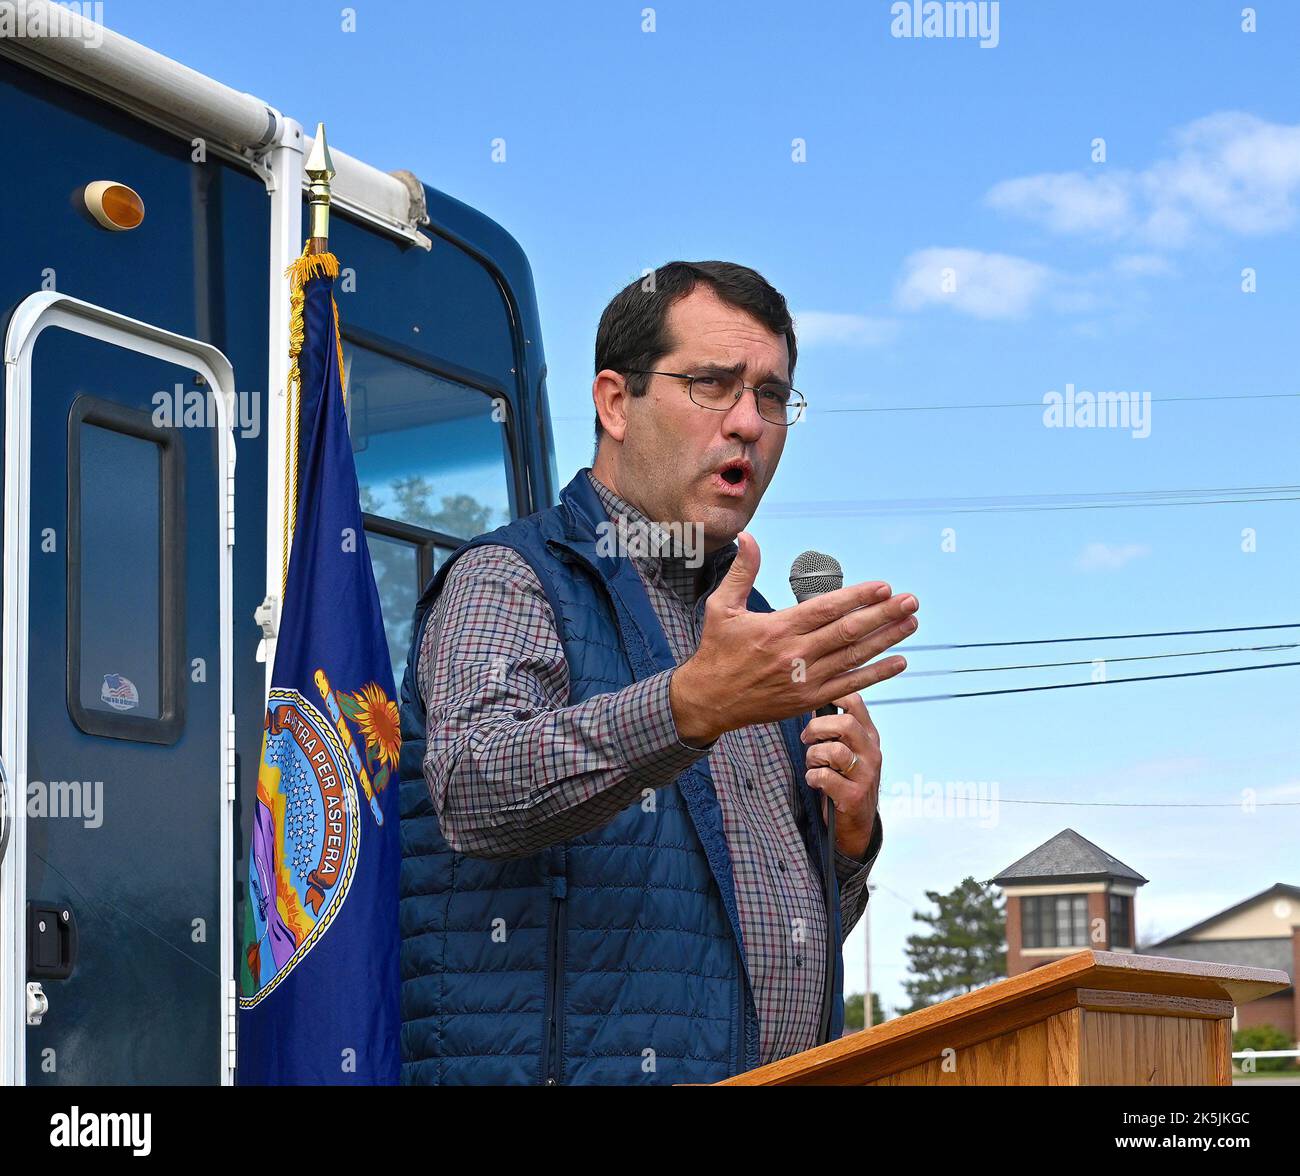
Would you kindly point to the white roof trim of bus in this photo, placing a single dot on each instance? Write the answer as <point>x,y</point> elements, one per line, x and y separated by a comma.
<point>130,75</point>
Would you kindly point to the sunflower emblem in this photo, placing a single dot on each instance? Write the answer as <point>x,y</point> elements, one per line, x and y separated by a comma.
<point>377,717</point>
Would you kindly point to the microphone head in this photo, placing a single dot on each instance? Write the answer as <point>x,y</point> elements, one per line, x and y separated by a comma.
<point>813,573</point>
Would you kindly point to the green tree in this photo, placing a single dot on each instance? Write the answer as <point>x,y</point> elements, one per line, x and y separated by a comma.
<point>966,946</point>
<point>853,1011</point>
<point>461,515</point>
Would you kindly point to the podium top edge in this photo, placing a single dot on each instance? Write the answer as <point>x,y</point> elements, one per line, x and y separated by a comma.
<point>1016,996</point>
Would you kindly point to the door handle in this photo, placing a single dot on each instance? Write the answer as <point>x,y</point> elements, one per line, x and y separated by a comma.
<point>51,941</point>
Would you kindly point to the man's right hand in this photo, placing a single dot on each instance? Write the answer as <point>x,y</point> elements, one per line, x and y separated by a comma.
<point>764,667</point>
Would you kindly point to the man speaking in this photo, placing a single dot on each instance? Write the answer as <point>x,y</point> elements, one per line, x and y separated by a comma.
<point>613,838</point>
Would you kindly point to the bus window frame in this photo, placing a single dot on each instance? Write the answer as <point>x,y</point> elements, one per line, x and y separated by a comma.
<point>422,539</point>
<point>166,728</point>
<point>516,465</point>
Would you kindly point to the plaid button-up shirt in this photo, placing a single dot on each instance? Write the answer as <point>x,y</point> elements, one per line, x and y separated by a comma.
<point>512,768</point>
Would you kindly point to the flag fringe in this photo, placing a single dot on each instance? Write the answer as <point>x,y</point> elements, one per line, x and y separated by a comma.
<point>301,271</point>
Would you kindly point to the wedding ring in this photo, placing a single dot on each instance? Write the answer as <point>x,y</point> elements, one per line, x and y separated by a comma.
<point>849,770</point>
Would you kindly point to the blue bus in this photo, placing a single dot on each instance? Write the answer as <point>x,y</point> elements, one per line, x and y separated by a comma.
<point>146,442</point>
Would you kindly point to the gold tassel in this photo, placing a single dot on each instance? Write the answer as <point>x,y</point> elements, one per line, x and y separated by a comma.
<point>338,342</point>
<point>300,272</point>
<point>312,265</point>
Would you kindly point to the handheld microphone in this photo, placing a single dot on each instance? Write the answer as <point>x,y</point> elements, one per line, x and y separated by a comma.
<point>811,574</point>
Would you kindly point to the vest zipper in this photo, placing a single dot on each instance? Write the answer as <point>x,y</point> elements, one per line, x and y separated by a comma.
<point>741,1055</point>
<point>552,1052</point>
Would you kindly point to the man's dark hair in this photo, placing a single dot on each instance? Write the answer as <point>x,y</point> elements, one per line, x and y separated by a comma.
<point>633,331</point>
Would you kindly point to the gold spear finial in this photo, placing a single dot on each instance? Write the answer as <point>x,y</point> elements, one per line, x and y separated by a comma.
<point>320,170</point>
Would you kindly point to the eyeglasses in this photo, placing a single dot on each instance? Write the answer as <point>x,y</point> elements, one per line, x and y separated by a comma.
<point>778,403</point>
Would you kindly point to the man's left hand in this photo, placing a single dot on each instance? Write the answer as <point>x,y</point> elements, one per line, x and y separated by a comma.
<point>853,784</point>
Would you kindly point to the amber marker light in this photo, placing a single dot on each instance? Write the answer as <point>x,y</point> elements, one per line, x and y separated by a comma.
<point>114,205</point>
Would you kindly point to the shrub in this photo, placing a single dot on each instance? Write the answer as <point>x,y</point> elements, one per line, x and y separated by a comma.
<point>1262,1037</point>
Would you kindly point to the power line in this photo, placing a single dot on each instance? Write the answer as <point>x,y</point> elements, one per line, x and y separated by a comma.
<point>814,410</point>
<point>1153,804</point>
<point>894,893</point>
<point>1074,685</point>
<point>1106,637</point>
<point>1093,661</point>
<point>1021,503</point>
<point>1234,804</point>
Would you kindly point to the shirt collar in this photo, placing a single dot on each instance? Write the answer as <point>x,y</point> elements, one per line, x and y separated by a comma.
<point>672,568</point>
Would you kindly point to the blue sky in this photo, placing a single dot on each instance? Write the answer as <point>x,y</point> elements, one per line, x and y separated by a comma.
<point>628,148</point>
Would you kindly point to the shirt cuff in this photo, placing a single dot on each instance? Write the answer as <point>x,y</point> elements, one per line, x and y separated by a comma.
<point>648,732</point>
<point>676,737</point>
<point>847,868</point>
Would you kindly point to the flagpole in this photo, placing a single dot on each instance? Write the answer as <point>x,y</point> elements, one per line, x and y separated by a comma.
<point>319,168</point>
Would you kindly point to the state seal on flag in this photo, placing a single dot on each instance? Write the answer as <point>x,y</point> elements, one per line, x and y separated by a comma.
<point>305,841</point>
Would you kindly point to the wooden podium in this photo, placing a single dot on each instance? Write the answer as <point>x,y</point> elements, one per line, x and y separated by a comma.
<point>1097,1018</point>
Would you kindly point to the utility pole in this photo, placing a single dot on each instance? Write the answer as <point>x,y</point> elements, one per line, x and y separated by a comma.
<point>866,949</point>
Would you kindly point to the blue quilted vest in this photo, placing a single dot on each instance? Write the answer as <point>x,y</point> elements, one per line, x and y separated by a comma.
<point>613,958</point>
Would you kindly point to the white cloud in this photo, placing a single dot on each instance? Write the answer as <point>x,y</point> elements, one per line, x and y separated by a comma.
<point>1234,170</point>
<point>1142,265</point>
<point>1069,202</point>
<point>986,285</point>
<point>1109,557</point>
<point>1231,172</point>
<point>1228,173</point>
<point>1001,286</point>
<point>859,330</point>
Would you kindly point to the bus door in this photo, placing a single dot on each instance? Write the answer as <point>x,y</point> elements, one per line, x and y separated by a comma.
<point>118,737</point>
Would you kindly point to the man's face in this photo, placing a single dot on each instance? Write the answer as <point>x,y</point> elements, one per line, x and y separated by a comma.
<point>672,451</point>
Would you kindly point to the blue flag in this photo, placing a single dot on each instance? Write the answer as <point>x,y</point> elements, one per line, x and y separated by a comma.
<point>319,968</point>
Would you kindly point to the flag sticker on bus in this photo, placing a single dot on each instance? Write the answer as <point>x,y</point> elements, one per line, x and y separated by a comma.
<point>119,693</point>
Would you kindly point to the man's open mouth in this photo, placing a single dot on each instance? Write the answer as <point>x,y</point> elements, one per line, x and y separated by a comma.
<point>734,477</point>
